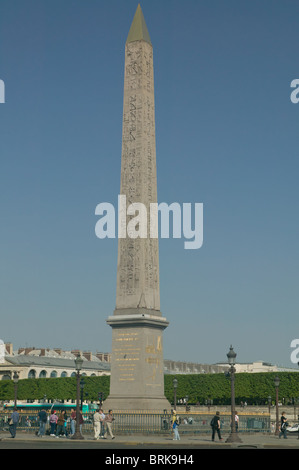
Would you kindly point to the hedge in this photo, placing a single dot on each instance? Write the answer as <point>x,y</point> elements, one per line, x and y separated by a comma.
<point>252,388</point>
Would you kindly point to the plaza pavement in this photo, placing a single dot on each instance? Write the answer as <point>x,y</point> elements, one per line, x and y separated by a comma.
<point>155,441</point>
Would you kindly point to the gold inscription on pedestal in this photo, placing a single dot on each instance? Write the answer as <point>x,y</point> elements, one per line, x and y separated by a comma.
<point>154,350</point>
<point>153,360</point>
<point>126,357</point>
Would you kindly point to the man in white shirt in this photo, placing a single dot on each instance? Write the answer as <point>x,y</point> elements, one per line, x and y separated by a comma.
<point>97,425</point>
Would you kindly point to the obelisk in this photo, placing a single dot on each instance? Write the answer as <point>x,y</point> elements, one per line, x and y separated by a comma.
<point>137,366</point>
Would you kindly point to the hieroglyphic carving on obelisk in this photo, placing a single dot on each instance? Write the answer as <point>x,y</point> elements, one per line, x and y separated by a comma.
<point>137,372</point>
<point>138,259</point>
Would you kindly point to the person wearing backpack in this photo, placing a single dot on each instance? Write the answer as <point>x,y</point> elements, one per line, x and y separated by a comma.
<point>283,426</point>
<point>215,424</point>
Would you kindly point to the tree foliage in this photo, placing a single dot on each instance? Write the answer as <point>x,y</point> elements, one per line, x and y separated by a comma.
<point>252,388</point>
<point>63,388</point>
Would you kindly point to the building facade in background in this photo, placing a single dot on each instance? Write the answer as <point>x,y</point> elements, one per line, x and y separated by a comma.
<point>50,363</point>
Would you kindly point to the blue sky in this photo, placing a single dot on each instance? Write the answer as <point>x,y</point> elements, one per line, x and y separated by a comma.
<point>227,136</point>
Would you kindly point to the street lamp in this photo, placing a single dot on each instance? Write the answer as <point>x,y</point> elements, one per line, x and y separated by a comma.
<point>78,363</point>
<point>276,383</point>
<point>231,357</point>
<point>16,380</point>
<point>175,384</point>
<point>82,383</point>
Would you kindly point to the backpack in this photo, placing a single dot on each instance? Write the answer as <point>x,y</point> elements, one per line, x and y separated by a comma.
<point>213,422</point>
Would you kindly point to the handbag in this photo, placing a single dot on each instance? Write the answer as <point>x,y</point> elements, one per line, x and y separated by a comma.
<point>10,422</point>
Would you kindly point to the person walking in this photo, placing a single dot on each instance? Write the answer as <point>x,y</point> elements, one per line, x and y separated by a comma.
<point>215,424</point>
<point>53,423</point>
<point>283,426</point>
<point>108,421</point>
<point>42,415</point>
<point>13,422</point>
<point>97,425</point>
<point>175,427</point>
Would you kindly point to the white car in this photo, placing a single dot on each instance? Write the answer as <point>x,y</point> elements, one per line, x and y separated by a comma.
<point>294,428</point>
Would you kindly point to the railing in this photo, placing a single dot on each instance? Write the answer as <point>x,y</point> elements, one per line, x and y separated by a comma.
<point>190,423</point>
<point>150,423</point>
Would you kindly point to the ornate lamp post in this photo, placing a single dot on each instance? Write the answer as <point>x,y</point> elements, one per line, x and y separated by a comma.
<point>276,383</point>
<point>16,380</point>
<point>82,383</point>
<point>78,362</point>
<point>175,384</point>
<point>231,356</point>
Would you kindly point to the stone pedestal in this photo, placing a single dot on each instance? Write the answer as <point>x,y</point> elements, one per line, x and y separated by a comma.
<point>137,378</point>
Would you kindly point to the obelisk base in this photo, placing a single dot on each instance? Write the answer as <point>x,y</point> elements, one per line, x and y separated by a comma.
<point>129,404</point>
<point>137,366</point>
